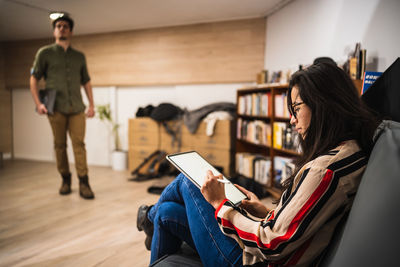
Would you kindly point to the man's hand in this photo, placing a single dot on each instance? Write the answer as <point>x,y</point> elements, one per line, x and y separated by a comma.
<point>253,205</point>
<point>89,93</point>
<point>212,190</point>
<point>41,109</point>
<point>90,112</point>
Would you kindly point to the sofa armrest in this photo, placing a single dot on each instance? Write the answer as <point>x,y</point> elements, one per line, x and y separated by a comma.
<point>371,233</point>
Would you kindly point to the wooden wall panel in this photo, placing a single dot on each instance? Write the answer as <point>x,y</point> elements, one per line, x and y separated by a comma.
<point>222,52</point>
<point>5,111</point>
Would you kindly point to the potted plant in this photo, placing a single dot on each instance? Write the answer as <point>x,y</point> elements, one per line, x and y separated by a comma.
<point>118,157</point>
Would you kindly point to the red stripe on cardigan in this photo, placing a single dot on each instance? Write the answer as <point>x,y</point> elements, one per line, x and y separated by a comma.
<point>316,195</point>
<point>272,215</point>
<point>219,207</point>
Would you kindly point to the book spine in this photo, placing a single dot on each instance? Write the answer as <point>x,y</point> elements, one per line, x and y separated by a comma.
<point>353,68</point>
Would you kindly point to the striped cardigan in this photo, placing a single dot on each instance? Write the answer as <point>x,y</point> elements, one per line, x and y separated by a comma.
<point>301,226</point>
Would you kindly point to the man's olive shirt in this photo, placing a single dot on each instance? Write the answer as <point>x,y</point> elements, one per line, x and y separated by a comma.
<point>65,72</point>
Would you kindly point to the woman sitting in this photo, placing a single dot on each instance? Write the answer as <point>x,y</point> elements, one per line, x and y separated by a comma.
<point>336,132</point>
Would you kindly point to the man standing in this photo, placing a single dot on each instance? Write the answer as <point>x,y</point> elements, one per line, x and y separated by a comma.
<point>64,70</point>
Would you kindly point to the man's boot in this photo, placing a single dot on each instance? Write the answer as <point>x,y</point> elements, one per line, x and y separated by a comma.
<point>84,188</point>
<point>65,188</point>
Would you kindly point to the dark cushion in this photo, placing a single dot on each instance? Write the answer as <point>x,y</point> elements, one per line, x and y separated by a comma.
<point>186,257</point>
<point>383,95</point>
<point>178,260</point>
<point>371,233</point>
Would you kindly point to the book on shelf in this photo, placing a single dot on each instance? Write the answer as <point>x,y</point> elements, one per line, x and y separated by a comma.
<point>276,77</point>
<point>357,57</point>
<point>262,77</point>
<point>255,104</point>
<point>281,109</point>
<point>266,106</point>
<point>362,63</point>
<point>262,170</point>
<point>258,167</point>
<point>244,164</point>
<point>278,128</point>
<point>357,62</point>
<point>353,68</point>
<point>259,104</point>
<point>245,105</point>
<point>254,131</point>
<point>284,168</point>
<point>285,137</point>
<point>254,166</point>
<point>369,78</point>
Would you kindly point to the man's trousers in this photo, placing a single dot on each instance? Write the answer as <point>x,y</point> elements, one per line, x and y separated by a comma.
<point>75,125</point>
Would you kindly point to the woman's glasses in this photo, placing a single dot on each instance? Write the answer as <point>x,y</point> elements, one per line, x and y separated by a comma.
<point>295,110</point>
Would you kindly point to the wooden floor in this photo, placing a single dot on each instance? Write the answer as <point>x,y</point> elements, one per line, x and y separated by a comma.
<point>38,227</point>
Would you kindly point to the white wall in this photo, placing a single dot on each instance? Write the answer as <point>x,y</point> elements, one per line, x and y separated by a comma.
<point>32,137</point>
<point>30,131</point>
<point>306,29</point>
<point>300,32</point>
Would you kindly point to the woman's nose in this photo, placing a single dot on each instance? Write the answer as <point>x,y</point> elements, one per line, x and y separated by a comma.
<point>292,120</point>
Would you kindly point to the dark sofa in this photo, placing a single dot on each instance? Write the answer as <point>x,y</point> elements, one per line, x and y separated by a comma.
<point>371,233</point>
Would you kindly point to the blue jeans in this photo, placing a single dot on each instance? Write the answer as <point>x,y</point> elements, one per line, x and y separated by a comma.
<point>182,214</point>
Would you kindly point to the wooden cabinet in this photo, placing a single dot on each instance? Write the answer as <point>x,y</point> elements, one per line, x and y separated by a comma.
<point>146,136</point>
<point>261,112</point>
<point>143,140</point>
<point>218,149</point>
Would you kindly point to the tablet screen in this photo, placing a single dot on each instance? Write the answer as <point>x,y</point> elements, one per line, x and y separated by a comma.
<point>195,167</point>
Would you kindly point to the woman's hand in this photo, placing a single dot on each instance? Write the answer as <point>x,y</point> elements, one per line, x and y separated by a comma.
<point>253,204</point>
<point>212,190</point>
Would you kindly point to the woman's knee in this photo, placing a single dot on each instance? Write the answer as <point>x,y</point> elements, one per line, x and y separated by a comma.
<point>168,208</point>
<point>165,208</point>
<point>170,211</point>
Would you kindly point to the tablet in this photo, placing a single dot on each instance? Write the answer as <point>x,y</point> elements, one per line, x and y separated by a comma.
<point>195,167</point>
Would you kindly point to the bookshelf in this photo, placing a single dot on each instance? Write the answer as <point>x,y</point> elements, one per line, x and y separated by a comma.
<point>261,111</point>
<point>253,106</point>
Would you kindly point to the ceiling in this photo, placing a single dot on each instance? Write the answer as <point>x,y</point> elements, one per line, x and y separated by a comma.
<point>29,19</point>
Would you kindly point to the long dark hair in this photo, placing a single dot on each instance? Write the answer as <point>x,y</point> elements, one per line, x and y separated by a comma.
<point>337,112</point>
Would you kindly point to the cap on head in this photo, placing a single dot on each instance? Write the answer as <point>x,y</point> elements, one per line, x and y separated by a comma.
<point>66,18</point>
